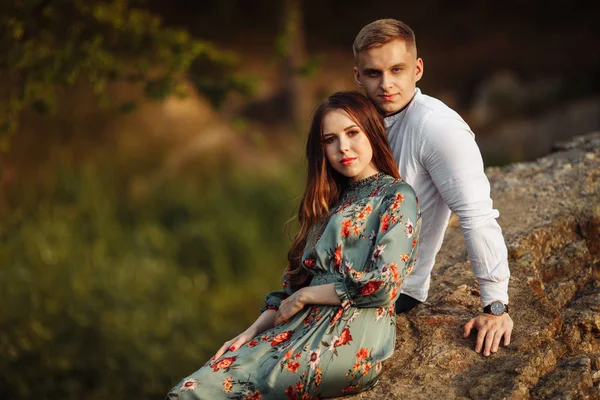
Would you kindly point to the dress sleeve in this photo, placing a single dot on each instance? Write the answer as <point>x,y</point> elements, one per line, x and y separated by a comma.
<point>394,253</point>
<point>273,299</point>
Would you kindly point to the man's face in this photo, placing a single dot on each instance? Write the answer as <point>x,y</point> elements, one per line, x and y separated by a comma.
<point>389,75</point>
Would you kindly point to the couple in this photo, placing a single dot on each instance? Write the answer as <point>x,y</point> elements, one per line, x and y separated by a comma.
<point>353,264</point>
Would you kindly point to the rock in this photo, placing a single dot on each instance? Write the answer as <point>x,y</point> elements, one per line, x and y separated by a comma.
<point>550,216</point>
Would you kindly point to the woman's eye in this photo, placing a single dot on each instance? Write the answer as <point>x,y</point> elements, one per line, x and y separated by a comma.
<point>353,133</point>
<point>328,140</point>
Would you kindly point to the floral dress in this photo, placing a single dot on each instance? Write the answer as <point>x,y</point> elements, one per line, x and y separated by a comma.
<point>366,247</point>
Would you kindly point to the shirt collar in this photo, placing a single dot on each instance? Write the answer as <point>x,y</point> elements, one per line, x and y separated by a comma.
<point>391,119</point>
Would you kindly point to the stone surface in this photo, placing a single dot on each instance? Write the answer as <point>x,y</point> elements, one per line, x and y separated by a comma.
<point>550,216</point>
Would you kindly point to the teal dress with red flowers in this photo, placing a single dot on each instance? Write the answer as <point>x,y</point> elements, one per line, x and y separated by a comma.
<point>366,247</point>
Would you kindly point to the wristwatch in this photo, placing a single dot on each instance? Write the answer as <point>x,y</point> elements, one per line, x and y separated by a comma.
<point>496,308</point>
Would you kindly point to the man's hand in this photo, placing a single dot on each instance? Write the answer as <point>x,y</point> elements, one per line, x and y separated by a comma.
<point>290,307</point>
<point>490,329</point>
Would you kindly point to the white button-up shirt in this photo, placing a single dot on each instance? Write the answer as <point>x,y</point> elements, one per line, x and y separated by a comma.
<point>437,154</point>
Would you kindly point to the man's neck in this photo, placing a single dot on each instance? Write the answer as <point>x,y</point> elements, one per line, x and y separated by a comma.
<point>403,108</point>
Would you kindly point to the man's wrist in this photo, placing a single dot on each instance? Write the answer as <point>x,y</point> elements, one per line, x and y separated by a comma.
<point>496,308</point>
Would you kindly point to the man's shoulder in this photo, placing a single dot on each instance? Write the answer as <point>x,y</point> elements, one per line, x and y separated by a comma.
<point>431,107</point>
<point>434,117</point>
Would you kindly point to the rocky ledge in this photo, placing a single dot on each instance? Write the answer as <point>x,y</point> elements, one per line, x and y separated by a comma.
<point>550,216</point>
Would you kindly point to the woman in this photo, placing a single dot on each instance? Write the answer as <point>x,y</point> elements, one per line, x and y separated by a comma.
<point>327,332</point>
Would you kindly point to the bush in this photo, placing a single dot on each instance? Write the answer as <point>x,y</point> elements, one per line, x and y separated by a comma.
<point>108,295</point>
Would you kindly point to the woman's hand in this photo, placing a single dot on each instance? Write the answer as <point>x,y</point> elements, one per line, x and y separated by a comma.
<point>236,342</point>
<point>290,307</point>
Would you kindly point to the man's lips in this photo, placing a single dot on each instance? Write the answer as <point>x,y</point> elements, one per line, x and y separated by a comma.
<point>388,97</point>
<point>347,161</point>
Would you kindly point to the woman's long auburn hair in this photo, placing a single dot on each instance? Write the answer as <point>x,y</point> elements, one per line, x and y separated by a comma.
<point>324,184</point>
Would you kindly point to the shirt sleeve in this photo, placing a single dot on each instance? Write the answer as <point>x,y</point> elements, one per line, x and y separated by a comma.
<point>273,299</point>
<point>455,165</point>
<point>395,249</point>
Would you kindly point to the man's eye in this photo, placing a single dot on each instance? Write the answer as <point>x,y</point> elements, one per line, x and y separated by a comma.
<point>373,74</point>
<point>396,70</point>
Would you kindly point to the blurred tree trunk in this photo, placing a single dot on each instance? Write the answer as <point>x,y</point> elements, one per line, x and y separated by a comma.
<point>292,50</point>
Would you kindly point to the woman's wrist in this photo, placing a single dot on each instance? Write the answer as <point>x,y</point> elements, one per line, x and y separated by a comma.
<point>305,295</point>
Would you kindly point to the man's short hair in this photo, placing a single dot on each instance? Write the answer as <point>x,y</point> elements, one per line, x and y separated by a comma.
<point>381,32</point>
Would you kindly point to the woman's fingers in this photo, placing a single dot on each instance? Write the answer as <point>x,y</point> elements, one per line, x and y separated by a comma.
<point>222,350</point>
<point>241,340</point>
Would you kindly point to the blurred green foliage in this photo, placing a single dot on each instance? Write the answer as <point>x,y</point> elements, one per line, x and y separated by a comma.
<point>45,45</point>
<point>109,294</point>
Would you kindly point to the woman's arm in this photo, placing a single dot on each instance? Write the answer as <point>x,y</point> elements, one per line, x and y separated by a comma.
<point>263,322</point>
<point>320,294</point>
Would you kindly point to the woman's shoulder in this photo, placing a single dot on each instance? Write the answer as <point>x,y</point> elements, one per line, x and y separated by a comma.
<point>397,185</point>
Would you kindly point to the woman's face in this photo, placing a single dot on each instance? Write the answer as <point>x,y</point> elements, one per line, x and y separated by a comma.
<point>347,147</point>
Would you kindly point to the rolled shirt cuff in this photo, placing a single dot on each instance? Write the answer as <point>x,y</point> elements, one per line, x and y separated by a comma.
<point>493,291</point>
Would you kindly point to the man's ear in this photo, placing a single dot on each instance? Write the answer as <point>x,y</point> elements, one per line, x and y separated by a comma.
<point>419,69</point>
<point>357,77</point>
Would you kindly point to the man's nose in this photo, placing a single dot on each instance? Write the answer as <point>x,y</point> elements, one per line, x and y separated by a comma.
<point>386,81</point>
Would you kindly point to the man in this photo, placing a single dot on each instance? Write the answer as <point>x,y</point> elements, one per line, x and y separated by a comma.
<point>437,154</point>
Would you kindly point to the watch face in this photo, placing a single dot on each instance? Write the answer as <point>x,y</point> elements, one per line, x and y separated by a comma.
<point>497,308</point>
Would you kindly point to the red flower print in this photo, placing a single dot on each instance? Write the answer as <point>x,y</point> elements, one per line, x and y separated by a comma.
<point>223,364</point>
<point>356,230</point>
<point>318,376</point>
<point>189,384</point>
<point>337,258</point>
<point>350,388</point>
<point>380,313</point>
<point>289,354</point>
<point>414,243</point>
<point>292,366</point>
<point>228,385</point>
<point>395,272</point>
<point>367,367</point>
<point>310,263</point>
<point>253,343</point>
<point>393,293</point>
<point>291,395</point>
<point>375,191</point>
<point>282,337</point>
<point>385,223</point>
<point>337,316</point>
<point>356,366</point>
<point>397,201</point>
<point>346,228</point>
<point>392,310</point>
<point>362,354</point>
<point>255,396</point>
<point>404,257</point>
<point>344,338</point>
<point>370,288</point>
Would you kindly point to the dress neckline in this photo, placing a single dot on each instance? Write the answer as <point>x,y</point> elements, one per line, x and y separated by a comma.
<point>366,181</point>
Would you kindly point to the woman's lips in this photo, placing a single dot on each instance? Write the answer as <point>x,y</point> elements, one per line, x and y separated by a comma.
<point>347,161</point>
